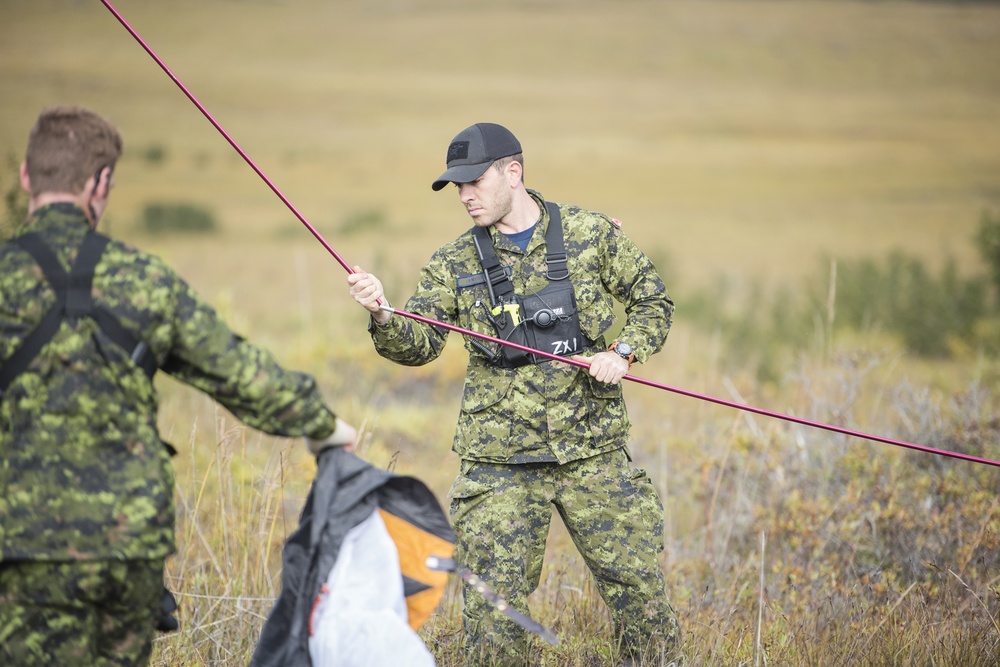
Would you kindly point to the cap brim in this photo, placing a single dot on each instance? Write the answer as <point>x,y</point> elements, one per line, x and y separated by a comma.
<point>460,173</point>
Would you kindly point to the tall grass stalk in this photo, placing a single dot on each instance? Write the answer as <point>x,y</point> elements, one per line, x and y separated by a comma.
<point>760,601</point>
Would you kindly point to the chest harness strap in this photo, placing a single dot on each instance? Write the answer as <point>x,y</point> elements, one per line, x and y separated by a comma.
<point>497,281</point>
<point>74,299</point>
<point>546,320</point>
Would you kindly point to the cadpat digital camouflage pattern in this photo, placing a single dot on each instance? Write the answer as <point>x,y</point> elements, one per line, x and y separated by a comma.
<point>92,612</point>
<point>501,515</point>
<point>83,472</point>
<point>548,434</point>
<point>549,411</point>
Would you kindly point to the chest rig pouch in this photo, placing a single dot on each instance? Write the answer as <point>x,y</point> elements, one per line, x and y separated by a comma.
<point>546,320</point>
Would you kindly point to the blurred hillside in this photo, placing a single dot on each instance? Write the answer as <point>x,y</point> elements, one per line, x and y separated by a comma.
<point>744,144</point>
<point>741,138</point>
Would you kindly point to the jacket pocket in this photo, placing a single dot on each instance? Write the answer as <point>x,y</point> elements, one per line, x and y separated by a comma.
<point>486,421</point>
<point>485,386</point>
<point>606,414</point>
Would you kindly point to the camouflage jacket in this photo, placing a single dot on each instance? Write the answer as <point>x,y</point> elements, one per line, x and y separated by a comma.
<point>83,472</point>
<point>549,411</point>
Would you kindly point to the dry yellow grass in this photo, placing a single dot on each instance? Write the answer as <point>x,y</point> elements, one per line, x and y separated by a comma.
<point>746,139</point>
<point>729,136</point>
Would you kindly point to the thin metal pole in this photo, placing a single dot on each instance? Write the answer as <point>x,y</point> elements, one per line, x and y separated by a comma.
<point>712,399</point>
<point>467,332</point>
<point>232,142</point>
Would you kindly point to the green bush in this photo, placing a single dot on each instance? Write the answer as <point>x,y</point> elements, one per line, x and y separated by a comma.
<point>988,243</point>
<point>757,329</point>
<point>901,296</point>
<point>932,315</point>
<point>180,218</point>
<point>154,154</point>
<point>14,197</point>
<point>358,222</point>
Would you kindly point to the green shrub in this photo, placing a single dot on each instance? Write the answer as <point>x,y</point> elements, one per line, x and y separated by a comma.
<point>359,222</point>
<point>14,197</point>
<point>180,218</point>
<point>901,296</point>
<point>758,329</point>
<point>154,154</point>
<point>932,315</point>
<point>988,243</point>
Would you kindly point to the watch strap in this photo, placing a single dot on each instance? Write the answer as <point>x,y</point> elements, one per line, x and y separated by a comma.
<point>630,358</point>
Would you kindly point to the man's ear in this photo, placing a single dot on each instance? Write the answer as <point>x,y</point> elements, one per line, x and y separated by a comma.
<point>109,172</point>
<point>99,185</point>
<point>25,179</point>
<point>514,169</point>
<point>102,186</point>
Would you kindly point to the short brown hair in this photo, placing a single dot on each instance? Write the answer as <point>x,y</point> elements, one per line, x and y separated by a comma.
<point>68,145</point>
<point>504,161</point>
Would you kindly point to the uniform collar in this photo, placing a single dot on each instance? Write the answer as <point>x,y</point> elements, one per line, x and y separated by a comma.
<point>57,214</point>
<point>500,239</point>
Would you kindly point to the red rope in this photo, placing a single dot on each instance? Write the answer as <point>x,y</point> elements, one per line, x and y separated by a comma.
<point>467,332</point>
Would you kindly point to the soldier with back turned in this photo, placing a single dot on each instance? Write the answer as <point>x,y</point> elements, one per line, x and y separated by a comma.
<point>86,483</point>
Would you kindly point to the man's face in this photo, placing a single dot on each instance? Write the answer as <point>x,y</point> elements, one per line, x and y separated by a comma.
<point>488,199</point>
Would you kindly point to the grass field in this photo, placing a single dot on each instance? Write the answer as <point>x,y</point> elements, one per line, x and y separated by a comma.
<point>746,142</point>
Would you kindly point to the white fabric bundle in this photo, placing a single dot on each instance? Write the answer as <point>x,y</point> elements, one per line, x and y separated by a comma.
<point>360,619</point>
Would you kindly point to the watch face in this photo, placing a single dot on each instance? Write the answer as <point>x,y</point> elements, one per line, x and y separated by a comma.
<point>623,349</point>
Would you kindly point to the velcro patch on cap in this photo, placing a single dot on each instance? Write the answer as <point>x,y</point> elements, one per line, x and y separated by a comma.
<point>459,150</point>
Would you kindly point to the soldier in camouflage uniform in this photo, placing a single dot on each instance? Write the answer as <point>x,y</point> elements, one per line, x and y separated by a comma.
<point>86,483</point>
<point>545,434</point>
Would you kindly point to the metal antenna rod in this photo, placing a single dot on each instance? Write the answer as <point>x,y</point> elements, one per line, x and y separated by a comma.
<point>540,353</point>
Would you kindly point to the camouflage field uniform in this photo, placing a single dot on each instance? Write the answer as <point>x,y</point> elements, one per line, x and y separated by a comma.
<point>88,612</point>
<point>548,434</point>
<point>84,475</point>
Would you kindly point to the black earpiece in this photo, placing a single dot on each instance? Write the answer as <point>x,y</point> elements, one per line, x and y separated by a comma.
<point>544,318</point>
<point>97,177</point>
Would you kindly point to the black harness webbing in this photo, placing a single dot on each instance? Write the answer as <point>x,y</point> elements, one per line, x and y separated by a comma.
<point>555,256</point>
<point>546,319</point>
<point>74,299</point>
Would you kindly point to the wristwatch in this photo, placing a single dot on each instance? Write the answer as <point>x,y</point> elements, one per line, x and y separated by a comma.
<point>623,350</point>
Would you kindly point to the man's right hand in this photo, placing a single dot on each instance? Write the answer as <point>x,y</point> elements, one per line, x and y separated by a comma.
<point>344,435</point>
<point>367,290</point>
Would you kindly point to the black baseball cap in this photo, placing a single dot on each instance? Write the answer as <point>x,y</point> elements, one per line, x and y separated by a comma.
<point>474,150</point>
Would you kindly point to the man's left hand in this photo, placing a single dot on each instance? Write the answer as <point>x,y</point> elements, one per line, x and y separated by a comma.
<point>605,367</point>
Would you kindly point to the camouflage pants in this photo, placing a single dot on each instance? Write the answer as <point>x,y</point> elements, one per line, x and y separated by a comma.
<point>501,515</point>
<point>82,613</point>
